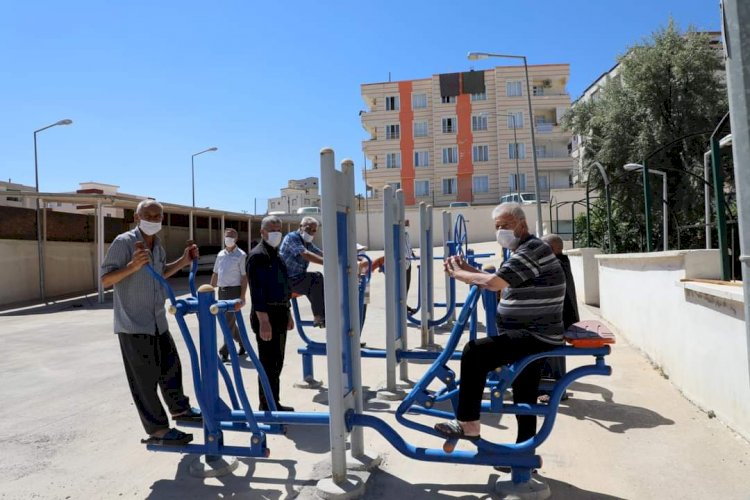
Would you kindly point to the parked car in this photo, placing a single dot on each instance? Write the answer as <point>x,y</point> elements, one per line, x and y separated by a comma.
<point>459,204</point>
<point>526,198</point>
<point>308,210</point>
<point>277,212</point>
<point>206,259</point>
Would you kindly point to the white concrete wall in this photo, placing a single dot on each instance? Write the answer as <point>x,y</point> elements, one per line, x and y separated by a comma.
<point>694,332</point>
<point>585,270</point>
<point>479,224</point>
<point>71,268</point>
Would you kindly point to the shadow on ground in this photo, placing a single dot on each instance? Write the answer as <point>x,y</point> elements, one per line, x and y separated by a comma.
<point>382,482</point>
<point>237,485</point>
<point>614,417</point>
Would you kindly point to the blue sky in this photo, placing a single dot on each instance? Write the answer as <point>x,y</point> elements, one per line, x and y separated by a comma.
<point>147,84</point>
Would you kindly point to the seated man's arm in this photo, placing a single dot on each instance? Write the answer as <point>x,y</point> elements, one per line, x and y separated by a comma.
<point>474,276</point>
<point>311,257</point>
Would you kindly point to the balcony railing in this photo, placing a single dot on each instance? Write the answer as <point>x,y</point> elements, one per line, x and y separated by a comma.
<point>554,153</point>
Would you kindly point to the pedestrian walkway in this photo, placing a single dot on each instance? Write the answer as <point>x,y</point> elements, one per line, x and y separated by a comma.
<point>68,428</point>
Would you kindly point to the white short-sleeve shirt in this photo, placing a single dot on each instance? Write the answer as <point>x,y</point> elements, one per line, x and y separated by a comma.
<point>230,267</point>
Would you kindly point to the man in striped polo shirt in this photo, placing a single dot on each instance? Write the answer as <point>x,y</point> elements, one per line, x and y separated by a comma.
<point>529,320</point>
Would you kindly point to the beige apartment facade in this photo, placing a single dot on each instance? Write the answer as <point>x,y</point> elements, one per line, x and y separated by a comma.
<point>450,138</point>
<point>299,193</point>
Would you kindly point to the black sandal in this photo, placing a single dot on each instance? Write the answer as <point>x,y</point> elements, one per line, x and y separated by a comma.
<point>453,430</point>
<point>173,437</point>
<point>192,415</point>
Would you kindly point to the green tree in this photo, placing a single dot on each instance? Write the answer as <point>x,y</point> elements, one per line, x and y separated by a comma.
<point>668,87</point>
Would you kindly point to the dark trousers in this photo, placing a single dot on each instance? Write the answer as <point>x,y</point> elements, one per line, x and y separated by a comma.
<point>229,293</point>
<point>484,355</point>
<point>408,278</point>
<point>271,352</point>
<point>151,361</point>
<point>311,284</point>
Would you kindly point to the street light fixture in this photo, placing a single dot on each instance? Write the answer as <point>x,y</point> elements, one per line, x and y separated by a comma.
<point>632,167</point>
<point>40,247</point>
<point>475,56</point>
<point>607,182</point>
<point>192,171</point>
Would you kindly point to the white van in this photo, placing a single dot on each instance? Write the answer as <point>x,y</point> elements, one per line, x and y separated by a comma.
<point>526,198</point>
<point>308,210</point>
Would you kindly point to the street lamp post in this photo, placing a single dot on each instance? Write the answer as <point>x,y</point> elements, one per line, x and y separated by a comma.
<point>665,212</point>
<point>473,56</point>
<point>515,152</point>
<point>40,247</point>
<point>192,172</point>
<point>605,178</point>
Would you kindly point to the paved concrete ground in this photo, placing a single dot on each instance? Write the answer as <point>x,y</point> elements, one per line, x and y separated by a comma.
<point>68,428</point>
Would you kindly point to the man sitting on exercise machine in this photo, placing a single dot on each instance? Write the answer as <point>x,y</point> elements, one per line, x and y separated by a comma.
<point>529,321</point>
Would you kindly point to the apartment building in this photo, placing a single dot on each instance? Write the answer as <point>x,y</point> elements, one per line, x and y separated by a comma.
<point>8,196</point>
<point>298,193</point>
<point>467,136</point>
<point>577,145</point>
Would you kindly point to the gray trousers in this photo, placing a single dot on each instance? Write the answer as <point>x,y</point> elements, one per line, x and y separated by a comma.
<point>228,293</point>
<point>311,284</point>
<point>151,361</point>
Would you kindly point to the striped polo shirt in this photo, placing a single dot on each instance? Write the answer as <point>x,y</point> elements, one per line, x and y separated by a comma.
<point>534,300</point>
<point>138,301</point>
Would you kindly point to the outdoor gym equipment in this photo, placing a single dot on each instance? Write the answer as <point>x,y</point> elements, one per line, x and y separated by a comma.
<point>344,369</point>
<point>317,348</point>
<point>206,366</point>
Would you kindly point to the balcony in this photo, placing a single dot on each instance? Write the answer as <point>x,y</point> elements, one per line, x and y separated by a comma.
<point>548,128</point>
<point>546,153</point>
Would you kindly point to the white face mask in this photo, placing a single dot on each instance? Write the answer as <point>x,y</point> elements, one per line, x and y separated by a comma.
<point>307,237</point>
<point>228,241</point>
<point>507,239</point>
<point>149,228</point>
<point>274,238</point>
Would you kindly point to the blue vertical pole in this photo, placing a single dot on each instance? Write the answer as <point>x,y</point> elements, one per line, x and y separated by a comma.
<point>209,363</point>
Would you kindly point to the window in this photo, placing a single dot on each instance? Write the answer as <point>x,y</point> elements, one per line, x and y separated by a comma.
<point>422,188</point>
<point>393,160</point>
<point>419,101</point>
<point>395,185</point>
<point>392,103</point>
<point>516,117</point>
<point>479,97</point>
<point>543,182</point>
<point>521,150</point>
<point>449,185</point>
<point>420,129</point>
<point>448,99</point>
<point>513,89</point>
<point>449,125</point>
<point>480,153</point>
<point>480,184</point>
<point>450,155</point>
<point>537,90</point>
<point>541,151</point>
<point>514,186</point>
<point>421,158</point>
<point>479,122</point>
<point>392,131</point>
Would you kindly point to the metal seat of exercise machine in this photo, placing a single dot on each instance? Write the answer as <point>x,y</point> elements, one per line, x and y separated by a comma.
<point>589,334</point>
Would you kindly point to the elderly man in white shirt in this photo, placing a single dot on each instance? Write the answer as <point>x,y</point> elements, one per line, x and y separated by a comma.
<point>230,276</point>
